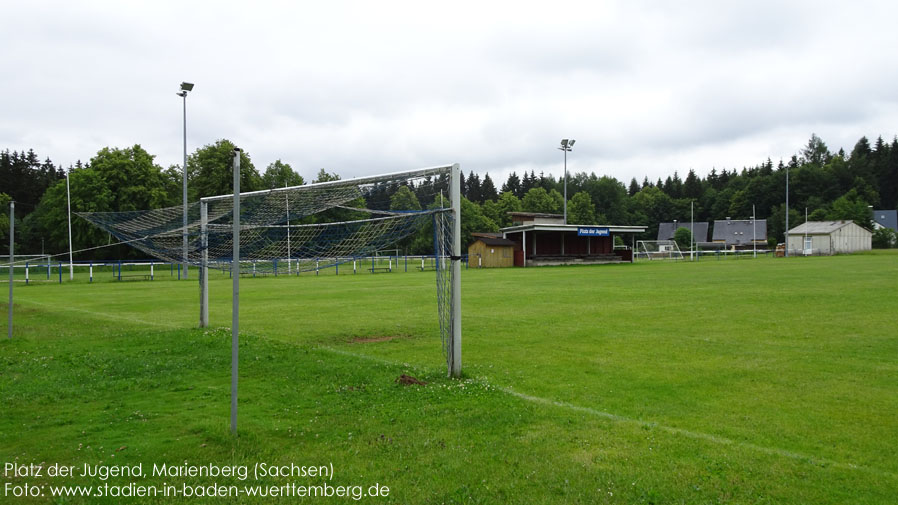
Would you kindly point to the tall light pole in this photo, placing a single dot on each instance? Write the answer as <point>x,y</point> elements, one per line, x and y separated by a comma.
<point>754,247</point>
<point>674,236</point>
<point>786,249</point>
<point>185,88</point>
<point>691,230</point>
<point>68,197</point>
<point>566,145</point>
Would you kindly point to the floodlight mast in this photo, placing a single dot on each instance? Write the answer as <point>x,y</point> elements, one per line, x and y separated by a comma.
<point>566,145</point>
<point>185,88</point>
<point>786,248</point>
<point>68,197</point>
<point>754,245</point>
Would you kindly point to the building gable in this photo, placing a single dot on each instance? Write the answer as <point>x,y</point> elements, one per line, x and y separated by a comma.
<point>734,232</point>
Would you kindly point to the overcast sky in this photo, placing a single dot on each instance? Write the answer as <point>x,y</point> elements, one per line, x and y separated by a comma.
<point>359,88</point>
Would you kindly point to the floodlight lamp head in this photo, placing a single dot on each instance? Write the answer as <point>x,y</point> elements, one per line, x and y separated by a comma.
<point>571,143</point>
<point>186,86</point>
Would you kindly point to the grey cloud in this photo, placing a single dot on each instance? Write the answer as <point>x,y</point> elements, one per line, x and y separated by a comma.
<point>645,87</point>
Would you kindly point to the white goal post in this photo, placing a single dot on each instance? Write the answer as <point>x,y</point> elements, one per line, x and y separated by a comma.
<point>331,221</point>
<point>657,250</point>
<point>312,196</point>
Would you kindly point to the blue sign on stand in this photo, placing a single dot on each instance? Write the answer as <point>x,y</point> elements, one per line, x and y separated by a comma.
<point>592,232</point>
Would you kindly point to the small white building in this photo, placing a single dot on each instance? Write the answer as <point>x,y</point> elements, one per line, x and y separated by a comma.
<point>829,237</point>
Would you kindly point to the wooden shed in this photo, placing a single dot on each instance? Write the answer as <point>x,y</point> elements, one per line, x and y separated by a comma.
<point>489,251</point>
<point>828,237</point>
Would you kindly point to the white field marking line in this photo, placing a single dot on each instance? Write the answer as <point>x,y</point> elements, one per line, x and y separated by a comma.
<point>773,451</point>
<point>101,315</point>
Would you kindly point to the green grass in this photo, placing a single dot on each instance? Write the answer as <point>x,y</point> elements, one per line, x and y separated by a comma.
<point>737,381</point>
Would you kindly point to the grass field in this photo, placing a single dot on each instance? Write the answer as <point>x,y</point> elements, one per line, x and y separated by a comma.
<point>738,381</point>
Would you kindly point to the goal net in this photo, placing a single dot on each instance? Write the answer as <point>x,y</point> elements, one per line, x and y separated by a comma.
<point>658,250</point>
<point>309,227</point>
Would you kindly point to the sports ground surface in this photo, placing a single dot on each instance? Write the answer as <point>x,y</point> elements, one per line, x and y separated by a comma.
<point>734,381</point>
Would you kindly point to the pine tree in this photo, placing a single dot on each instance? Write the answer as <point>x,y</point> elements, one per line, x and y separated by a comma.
<point>634,187</point>
<point>424,191</point>
<point>473,191</point>
<point>816,151</point>
<point>888,191</point>
<point>723,180</point>
<point>488,189</point>
<point>766,168</point>
<point>676,186</point>
<point>526,184</point>
<point>692,188</point>
<point>667,187</point>
<point>512,185</point>
<point>712,179</point>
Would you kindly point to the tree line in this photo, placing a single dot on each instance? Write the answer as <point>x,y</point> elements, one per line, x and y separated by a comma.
<point>830,185</point>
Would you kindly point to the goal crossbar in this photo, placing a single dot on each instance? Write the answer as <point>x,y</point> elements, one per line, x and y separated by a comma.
<point>357,181</point>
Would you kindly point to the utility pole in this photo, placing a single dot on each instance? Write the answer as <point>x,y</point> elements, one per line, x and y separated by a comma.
<point>566,145</point>
<point>68,196</point>
<point>185,88</point>
<point>754,247</point>
<point>691,230</point>
<point>787,212</point>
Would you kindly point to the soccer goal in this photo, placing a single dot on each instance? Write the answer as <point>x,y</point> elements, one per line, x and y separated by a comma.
<point>313,226</point>
<point>658,250</point>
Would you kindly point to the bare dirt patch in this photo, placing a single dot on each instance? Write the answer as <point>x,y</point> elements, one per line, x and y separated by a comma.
<point>371,340</point>
<point>408,380</point>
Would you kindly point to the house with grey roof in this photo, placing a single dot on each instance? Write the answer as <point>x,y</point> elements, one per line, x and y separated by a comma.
<point>666,230</point>
<point>885,219</point>
<point>740,233</point>
<point>829,237</point>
